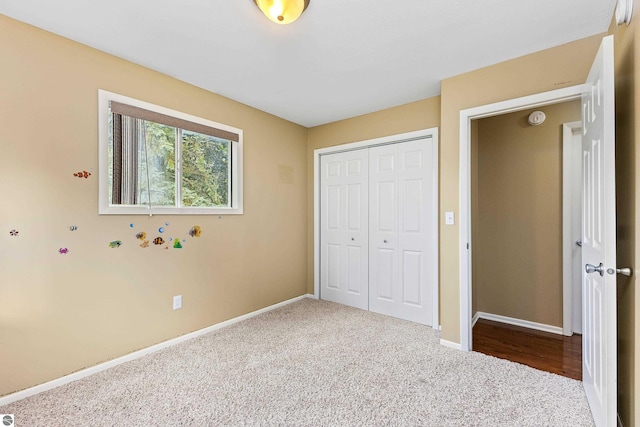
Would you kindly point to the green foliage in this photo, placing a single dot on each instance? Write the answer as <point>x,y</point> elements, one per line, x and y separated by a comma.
<point>205,167</point>
<point>160,147</point>
<point>205,170</point>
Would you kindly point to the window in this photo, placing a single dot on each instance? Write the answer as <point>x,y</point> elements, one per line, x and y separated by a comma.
<point>155,160</point>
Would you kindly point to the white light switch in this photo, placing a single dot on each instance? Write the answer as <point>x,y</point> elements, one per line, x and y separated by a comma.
<point>449,218</point>
<point>177,302</point>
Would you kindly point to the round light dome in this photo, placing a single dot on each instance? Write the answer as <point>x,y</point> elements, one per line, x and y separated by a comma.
<point>282,11</point>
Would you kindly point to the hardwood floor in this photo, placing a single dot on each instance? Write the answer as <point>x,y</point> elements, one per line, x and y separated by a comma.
<point>541,350</point>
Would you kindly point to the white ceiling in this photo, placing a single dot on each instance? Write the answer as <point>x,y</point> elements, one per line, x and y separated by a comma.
<point>341,59</point>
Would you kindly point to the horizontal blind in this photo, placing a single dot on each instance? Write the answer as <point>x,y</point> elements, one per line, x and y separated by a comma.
<point>141,113</point>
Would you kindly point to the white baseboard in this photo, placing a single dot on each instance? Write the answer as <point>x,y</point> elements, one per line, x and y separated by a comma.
<point>450,344</point>
<point>475,319</point>
<point>19,395</point>
<point>519,322</point>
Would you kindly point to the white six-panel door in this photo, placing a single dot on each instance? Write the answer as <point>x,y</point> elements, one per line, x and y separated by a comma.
<point>399,189</point>
<point>344,234</point>
<point>599,239</point>
<point>376,245</point>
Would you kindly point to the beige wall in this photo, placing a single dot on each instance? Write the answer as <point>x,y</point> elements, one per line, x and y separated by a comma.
<point>562,66</point>
<point>61,313</point>
<point>627,57</point>
<point>517,260</point>
<point>418,115</point>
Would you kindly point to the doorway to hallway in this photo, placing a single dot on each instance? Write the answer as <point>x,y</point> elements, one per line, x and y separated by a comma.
<point>545,351</point>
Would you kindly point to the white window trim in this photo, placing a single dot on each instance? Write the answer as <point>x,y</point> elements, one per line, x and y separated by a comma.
<point>104,208</point>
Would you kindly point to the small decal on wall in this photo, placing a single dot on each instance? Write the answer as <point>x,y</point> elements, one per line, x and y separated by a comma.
<point>73,228</point>
<point>63,251</point>
<point>195,231</point>
<point>14,233</point>
<point>83,174</point>
<point>168,243</point>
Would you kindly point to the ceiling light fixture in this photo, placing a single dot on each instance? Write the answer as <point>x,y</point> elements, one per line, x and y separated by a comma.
<point>282,11</point>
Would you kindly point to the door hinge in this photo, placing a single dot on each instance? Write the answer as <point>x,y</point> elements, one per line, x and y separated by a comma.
<point>467,245</point>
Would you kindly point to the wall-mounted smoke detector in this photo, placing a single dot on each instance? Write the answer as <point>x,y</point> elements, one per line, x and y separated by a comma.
<point>624,10</point>
<point>537,118</point>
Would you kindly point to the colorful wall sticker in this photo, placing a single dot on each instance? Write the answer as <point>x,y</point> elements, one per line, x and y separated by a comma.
<point>115,244</point>
<point>195,231</point>
<point>141,235</point>
<point>63,251</point>
<point>176,244</point>
<point>161,230</point>
<point>83,174</point>
<point>158,241</point>
<point>14,233</point>
<point>144,244</point>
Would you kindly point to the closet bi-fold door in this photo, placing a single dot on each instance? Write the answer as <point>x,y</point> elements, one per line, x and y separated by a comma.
<point>400,186</point>
<point>344,228</point>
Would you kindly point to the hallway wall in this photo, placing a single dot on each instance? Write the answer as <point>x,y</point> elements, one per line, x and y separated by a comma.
<point>517,251</point>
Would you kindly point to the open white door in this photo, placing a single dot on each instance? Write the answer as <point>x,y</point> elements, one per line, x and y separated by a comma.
<point>599,238</point>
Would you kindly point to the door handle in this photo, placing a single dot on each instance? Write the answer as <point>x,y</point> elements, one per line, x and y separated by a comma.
<point>579,243</point>
<point>589,268</point>
<point>626,271</point>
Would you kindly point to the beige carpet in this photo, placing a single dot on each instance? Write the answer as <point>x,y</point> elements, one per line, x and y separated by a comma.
<point>312,363</point>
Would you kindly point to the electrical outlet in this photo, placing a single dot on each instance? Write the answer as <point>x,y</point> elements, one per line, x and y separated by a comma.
<point>177,302</point>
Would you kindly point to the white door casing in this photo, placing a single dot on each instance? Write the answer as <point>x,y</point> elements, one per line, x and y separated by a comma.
<point>599,238</point>
<point>465,242</point>
<point>344,228</point>
<point>399,263</point>
<point>572,228</point>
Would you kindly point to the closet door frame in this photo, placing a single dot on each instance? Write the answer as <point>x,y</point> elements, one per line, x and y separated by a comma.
<point>433,214</point>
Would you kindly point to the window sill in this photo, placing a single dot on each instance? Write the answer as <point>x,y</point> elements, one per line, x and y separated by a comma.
<point>166,210</point>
